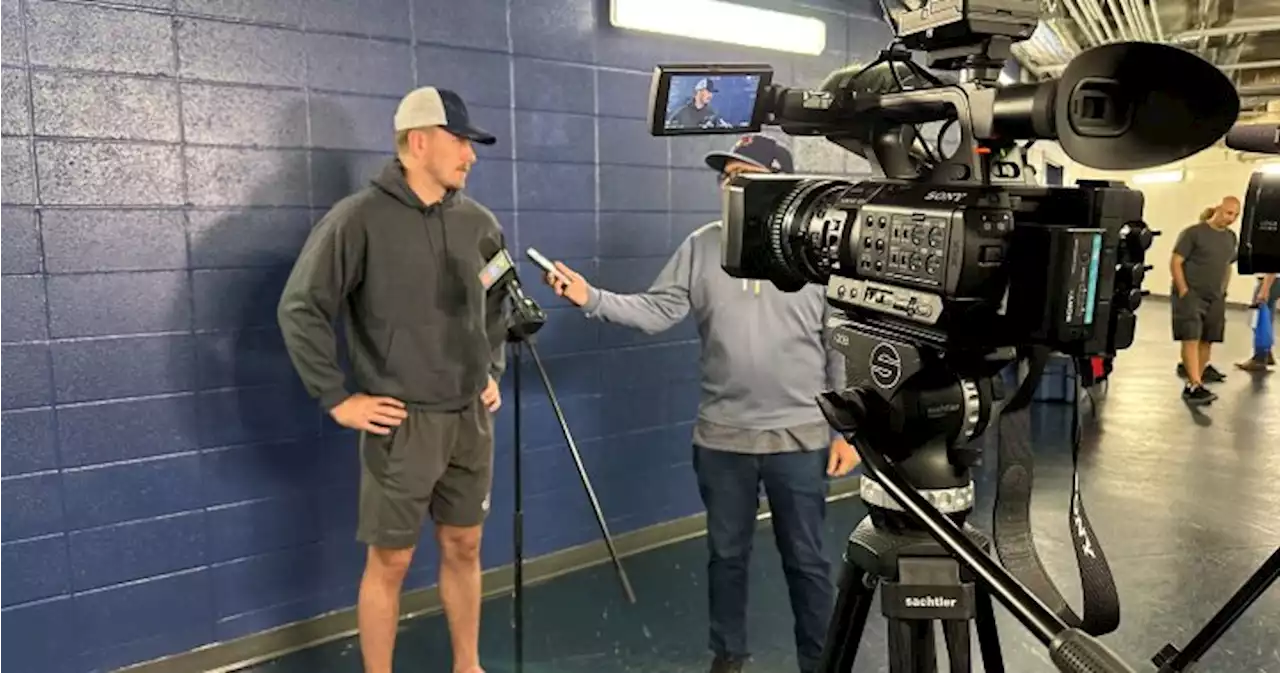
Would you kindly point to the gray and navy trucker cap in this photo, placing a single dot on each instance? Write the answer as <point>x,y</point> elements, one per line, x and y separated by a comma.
<point>429,106</point>
<point>757,149</point>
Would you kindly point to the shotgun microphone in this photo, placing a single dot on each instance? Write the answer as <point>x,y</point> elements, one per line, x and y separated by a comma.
<point>1263,138</point>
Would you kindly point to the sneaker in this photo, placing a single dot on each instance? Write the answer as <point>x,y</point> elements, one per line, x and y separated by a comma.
<point>1212,375</point>
<point>1271,359</point>
<point>1182,371</point>
<point>726,665</point>
<point>1198,395</point>
<point>1252,365</point>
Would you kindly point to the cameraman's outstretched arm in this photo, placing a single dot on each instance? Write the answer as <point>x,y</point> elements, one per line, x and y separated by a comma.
<point>661,307</point>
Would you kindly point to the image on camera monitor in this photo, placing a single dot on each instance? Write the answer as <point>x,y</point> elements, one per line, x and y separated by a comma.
<point>717,102</point>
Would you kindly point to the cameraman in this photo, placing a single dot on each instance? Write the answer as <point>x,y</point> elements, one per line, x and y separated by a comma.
<point>1201,268</point>
<point>763,362</point>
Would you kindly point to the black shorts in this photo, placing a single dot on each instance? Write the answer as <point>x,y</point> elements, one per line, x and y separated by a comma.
<point>1199,318</point>
<point>435,461</point>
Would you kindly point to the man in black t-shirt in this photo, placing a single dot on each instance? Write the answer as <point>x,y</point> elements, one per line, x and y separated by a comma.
<point>1201,268</point>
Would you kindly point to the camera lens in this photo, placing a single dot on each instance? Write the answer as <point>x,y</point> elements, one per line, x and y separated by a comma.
<point>806,229</point>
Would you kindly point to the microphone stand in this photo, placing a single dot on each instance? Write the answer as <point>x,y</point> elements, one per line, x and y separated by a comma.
<point>526,319</point>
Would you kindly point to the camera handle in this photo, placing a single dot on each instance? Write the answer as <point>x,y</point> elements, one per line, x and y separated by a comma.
<point>1071,649</point>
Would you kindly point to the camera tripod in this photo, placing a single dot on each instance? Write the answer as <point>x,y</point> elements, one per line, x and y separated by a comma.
<point>920,584</point>
<point>911,412</point>
<point>920,581</point>
<point>526,319</point>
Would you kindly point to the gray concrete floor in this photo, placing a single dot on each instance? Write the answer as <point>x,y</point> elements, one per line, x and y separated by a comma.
<point>1185,503</point>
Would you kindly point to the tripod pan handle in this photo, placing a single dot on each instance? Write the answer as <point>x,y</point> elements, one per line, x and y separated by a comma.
<point>1074,651</point>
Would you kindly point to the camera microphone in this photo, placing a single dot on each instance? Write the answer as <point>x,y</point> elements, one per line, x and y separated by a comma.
<point>1262,138</point>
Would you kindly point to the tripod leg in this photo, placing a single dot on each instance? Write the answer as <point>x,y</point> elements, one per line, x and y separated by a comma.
<point>844,632</point>
<point>988,637</point>
<point>517,527</point>
<point>912,648</point>
<point>957,634</point>
<point>582,474</point>
<point>1170,659</point>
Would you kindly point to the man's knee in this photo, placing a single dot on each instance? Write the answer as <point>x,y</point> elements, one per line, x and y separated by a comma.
<point>459,544</point>
<point>389,564</point>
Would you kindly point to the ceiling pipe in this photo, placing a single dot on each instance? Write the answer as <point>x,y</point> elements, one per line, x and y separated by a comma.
<point>1065,38</point>
<point>1154,9</point>
<point>1232,28</point>
<point>1259,90</point>
<point>1134,12</point>
<point>1225,67</point>
<point>1122,29</point>
<point>1094,10</point>
<point>1085,25</point>
<point>1058,44</point>
<point>1139,19</point>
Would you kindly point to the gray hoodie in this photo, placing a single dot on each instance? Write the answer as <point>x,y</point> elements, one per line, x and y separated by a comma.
<point>764,358</point>
<point>405,276</point>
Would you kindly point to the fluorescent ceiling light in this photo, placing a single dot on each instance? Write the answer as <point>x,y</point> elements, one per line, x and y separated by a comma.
<point>719,21</point>
<point>1158,177</point>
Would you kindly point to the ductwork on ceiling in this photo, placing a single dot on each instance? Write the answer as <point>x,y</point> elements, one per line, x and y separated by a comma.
<point>1240,36</point>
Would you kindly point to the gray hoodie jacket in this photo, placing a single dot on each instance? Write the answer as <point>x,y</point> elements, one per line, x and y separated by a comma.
<point>764,357</point>
<point>405,277</point>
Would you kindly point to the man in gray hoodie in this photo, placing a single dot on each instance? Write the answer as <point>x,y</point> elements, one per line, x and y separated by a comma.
<point>764,360</point>
<point>400,261</point>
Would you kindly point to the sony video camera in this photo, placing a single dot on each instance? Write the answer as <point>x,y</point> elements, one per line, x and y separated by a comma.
<point>959,253</point>
<point>944,269</point>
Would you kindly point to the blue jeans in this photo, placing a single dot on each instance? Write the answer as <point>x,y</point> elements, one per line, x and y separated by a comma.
<point>796,486</point>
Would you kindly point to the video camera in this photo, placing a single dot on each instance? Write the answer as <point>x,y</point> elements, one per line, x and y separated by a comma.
<point>945,269</point>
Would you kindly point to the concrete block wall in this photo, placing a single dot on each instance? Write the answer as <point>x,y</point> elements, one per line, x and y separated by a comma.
<point>166,482</point>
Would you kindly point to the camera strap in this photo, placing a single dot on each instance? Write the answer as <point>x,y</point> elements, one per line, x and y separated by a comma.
<point>1014,542</point>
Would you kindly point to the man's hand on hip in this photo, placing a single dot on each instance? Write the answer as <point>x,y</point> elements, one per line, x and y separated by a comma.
<point>842,458</point>
<point>376,415</point>
<point>568,284</point>
<point>491,397</point>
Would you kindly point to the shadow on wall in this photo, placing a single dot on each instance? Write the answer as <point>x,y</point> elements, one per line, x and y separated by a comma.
<point>280,477</point>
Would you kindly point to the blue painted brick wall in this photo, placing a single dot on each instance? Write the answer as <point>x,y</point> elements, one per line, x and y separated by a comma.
<point>166,482</point>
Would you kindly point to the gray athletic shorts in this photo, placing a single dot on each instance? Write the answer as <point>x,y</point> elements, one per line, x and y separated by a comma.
<point>435,461</point>
<point>1197,318</point>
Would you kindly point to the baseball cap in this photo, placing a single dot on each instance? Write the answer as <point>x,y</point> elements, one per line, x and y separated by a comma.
<point>706,83</point>
<point>429,106</point>
<point>757,149</point>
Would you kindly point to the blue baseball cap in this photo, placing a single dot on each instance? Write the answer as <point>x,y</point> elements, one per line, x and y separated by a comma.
<point>429,106</point>
<point>756,149</point>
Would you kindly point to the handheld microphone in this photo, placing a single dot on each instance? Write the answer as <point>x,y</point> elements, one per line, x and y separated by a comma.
<point>1262,138</point>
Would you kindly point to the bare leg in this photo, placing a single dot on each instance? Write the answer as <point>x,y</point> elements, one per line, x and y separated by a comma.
<point>1191,362</point>
<point>378,611</point>
<point>1205,347</point>
<point>460,593</point>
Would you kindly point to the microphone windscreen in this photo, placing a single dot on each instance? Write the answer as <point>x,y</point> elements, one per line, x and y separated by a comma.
<point>1264,138</point>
